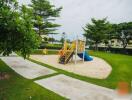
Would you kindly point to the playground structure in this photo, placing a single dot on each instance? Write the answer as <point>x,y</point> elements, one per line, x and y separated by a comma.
<point>77,47</point>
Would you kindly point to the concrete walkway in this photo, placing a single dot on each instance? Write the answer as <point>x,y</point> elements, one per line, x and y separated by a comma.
<point>26,68</point>
<point>75,89</point>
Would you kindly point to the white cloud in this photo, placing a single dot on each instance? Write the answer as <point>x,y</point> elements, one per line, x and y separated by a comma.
<point>76,13</point>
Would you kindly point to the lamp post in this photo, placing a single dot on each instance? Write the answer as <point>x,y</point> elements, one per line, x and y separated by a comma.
<point>63,37</point>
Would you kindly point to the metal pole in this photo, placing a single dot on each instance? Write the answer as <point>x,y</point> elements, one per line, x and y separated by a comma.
<point>84,48</point>
<point>76,50</point>
<point>64,37</point>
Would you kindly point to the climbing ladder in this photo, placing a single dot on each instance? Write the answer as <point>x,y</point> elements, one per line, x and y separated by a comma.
<point>66,57</point>
<point>67,53</point>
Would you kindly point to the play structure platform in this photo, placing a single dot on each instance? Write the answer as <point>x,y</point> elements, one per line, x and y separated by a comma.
<point>76,48</point>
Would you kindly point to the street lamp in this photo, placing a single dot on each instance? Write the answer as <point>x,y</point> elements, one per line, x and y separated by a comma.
<point>64,35</point>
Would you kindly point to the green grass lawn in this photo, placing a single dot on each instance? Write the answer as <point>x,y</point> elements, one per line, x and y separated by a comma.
<point>121,69</point>
<point>19,88</point>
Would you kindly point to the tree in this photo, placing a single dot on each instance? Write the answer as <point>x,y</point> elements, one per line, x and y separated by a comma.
<point>51,39</point>
<point>124,33</point>
<point>62,40</point>
<point>110,34</point>
<point>97,31</point>
<point>16,29</point>
<point>45,14</point>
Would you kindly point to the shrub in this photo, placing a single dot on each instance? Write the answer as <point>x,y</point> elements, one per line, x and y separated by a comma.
<point>40,52</point>
<point>50,46</point>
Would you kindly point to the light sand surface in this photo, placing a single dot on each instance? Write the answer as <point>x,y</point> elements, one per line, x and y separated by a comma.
<point>97,68</point>
<point>26,68</point>
<point>75,89</point>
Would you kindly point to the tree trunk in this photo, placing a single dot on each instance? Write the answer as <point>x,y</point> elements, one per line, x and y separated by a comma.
<point>124,42</point>
<point>109,47</point>
<point>96,46</point>
<point>124,48</point>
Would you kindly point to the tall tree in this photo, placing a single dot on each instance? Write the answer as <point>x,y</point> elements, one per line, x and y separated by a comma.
<point>124,33</point>
<point>97,30</point>
<point>110,34</point>
<point>16,29</point>
<point>45,14</point>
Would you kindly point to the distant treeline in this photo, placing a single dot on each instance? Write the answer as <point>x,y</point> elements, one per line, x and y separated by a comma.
<point>128,51</point>
<point>51,46</point>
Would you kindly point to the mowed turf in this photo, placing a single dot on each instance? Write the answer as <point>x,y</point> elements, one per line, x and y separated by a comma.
<point>121,69</point>
<point>16,87</point>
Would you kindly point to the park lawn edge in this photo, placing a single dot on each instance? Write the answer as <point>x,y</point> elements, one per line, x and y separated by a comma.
<point>110,82</point>
<point>73,75</point>
<point>15,87</point>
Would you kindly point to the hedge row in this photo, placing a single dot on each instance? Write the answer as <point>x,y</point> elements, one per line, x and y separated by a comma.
<point>59,46</point>
<point>50,46</point>
<point>40,52</point>
<point>127,51</point>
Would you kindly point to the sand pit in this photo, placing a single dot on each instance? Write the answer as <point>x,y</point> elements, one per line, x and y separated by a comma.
<point>26,68</point>
<point>97,68</point>
<point>74,89</point>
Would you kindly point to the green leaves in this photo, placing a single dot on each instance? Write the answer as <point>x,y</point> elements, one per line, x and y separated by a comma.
<point>97,30</point>
<point>16,30</point>
<point>101,31</point>
<point>123,32</point>
<point>44,11</point>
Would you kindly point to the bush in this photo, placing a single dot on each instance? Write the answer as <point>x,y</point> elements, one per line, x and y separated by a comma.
<point>40,52</point>
<point>51,46</point>
<point>128,51</point>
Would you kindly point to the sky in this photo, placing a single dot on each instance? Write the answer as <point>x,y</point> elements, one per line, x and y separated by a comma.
<point>77,13</point>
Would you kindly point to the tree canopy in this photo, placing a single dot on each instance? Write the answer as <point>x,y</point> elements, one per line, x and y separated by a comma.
<point>16,29</point>
<point>97,30</point>
<point>101,30</point>
<point>124,32</point>
<point>44,15</point>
